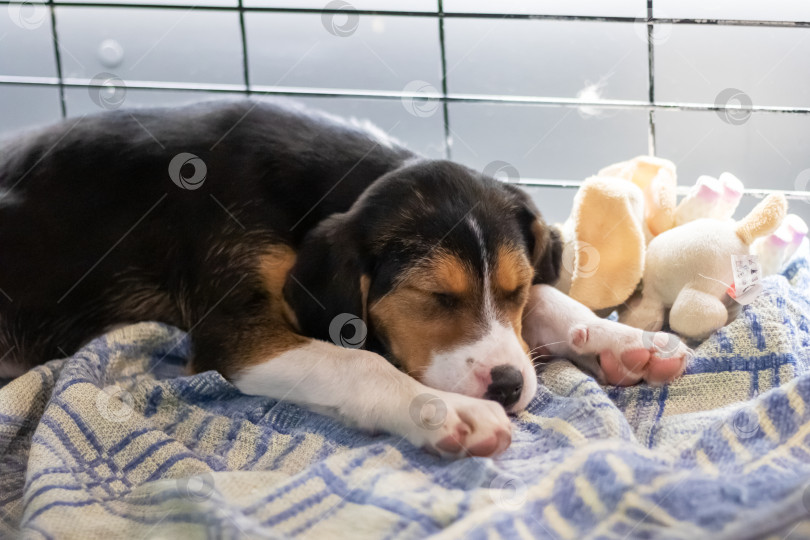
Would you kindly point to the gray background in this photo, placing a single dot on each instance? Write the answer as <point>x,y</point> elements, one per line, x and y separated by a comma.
<point>558,95</point>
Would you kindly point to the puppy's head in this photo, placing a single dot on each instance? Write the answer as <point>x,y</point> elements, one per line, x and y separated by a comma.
<point>437,261</point>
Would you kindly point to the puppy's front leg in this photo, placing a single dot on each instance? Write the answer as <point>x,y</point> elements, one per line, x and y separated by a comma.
<point>365,390</point>
<point>556,324</point>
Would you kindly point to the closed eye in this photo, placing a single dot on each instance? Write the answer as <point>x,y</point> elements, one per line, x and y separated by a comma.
<point>446,300</point>
<point>515,295</point>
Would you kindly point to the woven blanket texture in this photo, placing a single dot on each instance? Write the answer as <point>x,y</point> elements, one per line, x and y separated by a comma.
<point>118,442</point>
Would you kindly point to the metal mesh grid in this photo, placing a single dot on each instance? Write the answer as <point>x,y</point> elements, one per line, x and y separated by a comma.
<point>651,105</point>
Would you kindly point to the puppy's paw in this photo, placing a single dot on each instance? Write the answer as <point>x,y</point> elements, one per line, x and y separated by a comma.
<point>454,425</point>
<point>628,355</point>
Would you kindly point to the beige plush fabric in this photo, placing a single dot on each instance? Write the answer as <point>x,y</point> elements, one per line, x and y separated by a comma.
<point>606,259</point>
<point>763,219</point>
<point>615,215</point>
<point>658,181</point>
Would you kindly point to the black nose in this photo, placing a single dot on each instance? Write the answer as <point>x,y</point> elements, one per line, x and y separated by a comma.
<point>506,385</point>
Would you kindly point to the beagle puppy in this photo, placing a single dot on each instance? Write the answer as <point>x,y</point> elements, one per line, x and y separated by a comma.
<point>311,260</point>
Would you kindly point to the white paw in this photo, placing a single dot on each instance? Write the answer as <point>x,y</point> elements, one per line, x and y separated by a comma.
<point>628,355</point>
<point>454,425</point>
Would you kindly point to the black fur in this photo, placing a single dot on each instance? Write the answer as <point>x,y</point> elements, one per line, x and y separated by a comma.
<point>93,232</point>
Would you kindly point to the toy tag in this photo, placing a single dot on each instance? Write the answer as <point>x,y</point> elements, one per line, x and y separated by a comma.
<point>747,273</point>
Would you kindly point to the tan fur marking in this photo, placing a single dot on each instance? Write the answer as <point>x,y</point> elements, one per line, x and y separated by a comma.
<point>404,321</point>
<point>277,333</point>
<point>273,343</point>
<point>513,270</point>
<point>449,274</point>
<point>274,266</point>
<point>412,323</point>
<point>365,285</point>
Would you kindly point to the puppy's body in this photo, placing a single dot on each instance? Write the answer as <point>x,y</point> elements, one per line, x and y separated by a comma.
<point>302,228</point>
<point>72,193</point>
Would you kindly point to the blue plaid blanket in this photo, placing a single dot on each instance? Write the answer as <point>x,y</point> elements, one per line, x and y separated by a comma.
<point>117,442</point>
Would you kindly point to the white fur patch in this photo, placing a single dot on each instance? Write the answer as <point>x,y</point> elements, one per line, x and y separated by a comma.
<point>363,389</point>
<point>488,309</point>
<point>466,369</point>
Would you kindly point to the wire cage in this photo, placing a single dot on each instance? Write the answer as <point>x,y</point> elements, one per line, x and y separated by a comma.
<point>539,93</point>
<point>542,93</point>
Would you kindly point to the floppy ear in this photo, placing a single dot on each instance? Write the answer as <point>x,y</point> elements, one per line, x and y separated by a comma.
<point>543,242</point>
<point>546,252</point>
<point>327,288</point>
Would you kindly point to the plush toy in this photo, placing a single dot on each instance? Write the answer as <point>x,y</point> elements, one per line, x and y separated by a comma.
<point>615,214</point>
<point>689,270</point>
<point>775,250</point>
<point>657,180</point>
<point>604,243</point>
<point>627,245</point>
<point>710,198</point>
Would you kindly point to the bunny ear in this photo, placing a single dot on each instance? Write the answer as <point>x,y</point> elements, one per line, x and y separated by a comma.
<point>657,179</point>
<point>606,256</point>
<point>777,248</point>
<point>763,219</point>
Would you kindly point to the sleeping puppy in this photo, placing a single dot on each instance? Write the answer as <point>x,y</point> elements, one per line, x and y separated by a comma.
<point>310,260</point>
